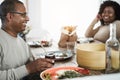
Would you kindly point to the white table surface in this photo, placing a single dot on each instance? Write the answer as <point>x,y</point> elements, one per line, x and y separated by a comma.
<point>115,76</point>
<point>72,62</point>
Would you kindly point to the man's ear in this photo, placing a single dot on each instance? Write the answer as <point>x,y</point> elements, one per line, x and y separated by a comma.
<point>8,16</point>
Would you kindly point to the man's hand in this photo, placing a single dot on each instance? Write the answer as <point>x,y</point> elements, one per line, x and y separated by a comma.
<point>39,65</point>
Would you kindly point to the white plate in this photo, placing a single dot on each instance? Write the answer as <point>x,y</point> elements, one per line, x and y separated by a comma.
<point>52,72</point>
<point>38,43</point>
<point>60,55</point>
<point>85,40</point>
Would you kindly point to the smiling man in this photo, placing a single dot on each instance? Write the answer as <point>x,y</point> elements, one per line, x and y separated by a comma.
<point>16,60</point>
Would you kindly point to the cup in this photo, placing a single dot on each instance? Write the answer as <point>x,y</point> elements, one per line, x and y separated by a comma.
<point>50,56</point>
<point>71,47</point>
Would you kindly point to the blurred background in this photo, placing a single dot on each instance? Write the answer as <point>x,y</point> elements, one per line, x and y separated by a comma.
<point>48,16</point>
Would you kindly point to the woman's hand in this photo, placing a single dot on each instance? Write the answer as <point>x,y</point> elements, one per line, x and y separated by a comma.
<point>98,18</point>
<point>91,31</point>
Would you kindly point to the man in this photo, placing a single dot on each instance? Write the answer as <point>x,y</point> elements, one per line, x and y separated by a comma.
<point>16,60</point>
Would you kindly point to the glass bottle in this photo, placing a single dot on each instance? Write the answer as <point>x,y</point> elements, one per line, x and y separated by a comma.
<point>112,47</point>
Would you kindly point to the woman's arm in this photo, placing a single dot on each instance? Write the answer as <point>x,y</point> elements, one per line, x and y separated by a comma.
<point>90,32</point>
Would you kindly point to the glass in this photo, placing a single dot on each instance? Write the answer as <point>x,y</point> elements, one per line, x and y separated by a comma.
<point>23,14</point>
<point>50,56</point>
<point>112,49</point>
<point>71,47</point>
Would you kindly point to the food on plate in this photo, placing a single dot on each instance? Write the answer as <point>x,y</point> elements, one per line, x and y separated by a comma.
<point>47,76</point>
<point>64,54</point>
<point>63,73</point>
<point>43,42</point>
<point>59,55</point>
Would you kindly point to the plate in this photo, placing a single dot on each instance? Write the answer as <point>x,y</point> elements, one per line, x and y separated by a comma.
<point>60,55</point>
<point>39,43</point>
<point>54,73</point>
<point>85,40</point>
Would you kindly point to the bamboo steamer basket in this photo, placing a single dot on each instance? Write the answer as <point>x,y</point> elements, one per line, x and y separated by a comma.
<point>92,56</point>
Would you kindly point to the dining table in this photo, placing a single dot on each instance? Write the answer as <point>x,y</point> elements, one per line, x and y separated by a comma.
<point>38,52</point>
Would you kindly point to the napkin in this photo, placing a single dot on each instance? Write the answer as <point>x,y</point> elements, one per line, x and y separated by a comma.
<point>69,30</point>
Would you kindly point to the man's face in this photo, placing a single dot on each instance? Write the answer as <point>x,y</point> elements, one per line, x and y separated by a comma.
<point>19,18</point>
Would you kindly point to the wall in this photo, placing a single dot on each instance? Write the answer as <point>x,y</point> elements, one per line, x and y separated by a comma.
<point>48,16</point>
<point>59,13</point>
<point>34,13</point>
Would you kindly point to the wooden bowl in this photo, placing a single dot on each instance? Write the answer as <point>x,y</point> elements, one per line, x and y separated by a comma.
<point>92,56</point>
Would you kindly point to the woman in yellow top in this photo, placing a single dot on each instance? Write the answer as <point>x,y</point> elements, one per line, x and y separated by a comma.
<point>109,12</point>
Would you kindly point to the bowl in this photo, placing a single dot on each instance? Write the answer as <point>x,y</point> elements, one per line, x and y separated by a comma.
<point>92,56</point>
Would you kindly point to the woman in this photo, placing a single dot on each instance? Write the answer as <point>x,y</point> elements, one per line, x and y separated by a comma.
<point>109,12</point>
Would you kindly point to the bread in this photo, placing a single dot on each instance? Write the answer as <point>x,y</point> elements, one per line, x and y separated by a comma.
<point>70,28</point>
